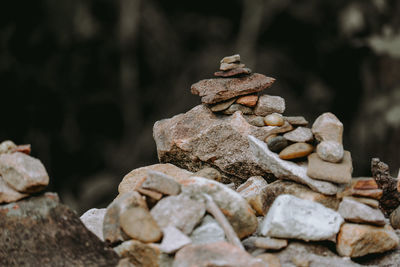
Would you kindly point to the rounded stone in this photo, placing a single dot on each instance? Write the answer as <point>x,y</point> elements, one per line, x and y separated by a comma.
<point>274,119</point>
<point>296,150</point>
<point>395,218</point>
<point>7,146</point>
<point>277,144</point>
<point>330,151</point>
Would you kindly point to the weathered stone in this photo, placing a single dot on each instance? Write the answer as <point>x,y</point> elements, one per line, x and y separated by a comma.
<point>162,183</point>
<point>173,240</point>
<point>292,217</point>
<point>280,187</point>
<point>237,107</point>
<point>395,218</point>
<point>367,201</point>
<point>222,105</point>
<point>248,100</point>
<point>133,180</point>
<point>40,231</point>
<point>265,243</point>
<point>8,194</point>
<point>270,259</point>
<point>354,211</point>
<point>208,232</point>
<point>268,104</point>
<point>230,66</point>
<point>255,120</point>
<point>179,211</point>
<point>356,240</point>
<point>330,151</point>
<point>7,146</point>
<point>390,199</point>
<point>253,190</point>
<point>150,193</point>
<point>287,170</point>
<point>112,231</point>
<point>332,172</point>
<point>231,59</point>
<point>209,173</point>
<point>372,193</point>
<point>296,120</point>
<point>235,208</point>
<point>23,173</point>
<point>93,220</point>
<point>296,151</point>
<point>327,127</point>
<point>215,254</point>
<point>300,135</point>
<point>139,254</point>
<point>138,224</point>
<point>216,90</point>
<point>276,144</point>
<point>199,138</point>
<point>233,72</point>
<point>274,119</point>
<point>301,254</point>
<point>364,183</point>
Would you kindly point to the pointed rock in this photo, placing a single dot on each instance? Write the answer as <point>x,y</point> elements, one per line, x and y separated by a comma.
<point>173,240</point>
<point>93,220</point>
<point>222,105</point>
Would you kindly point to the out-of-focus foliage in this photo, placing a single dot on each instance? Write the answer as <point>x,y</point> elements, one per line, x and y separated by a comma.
<point>83,81</point>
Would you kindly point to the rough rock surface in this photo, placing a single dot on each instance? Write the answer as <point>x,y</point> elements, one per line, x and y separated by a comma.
<point>208,232</point>
<point>328,171</point>
<point>134,179</point>
<point>253,190</point>
<point>139,254</point>
<point>356,240</point>
<point>215,254</point>
<point>23,173</point>
<point>354,211</point>
<point>328,127</point>
<point>216,90</point>
<point>200,138</point>
<point>268,104</point>
<point>287,170</point>
<point>292,217</point>
<point>93,220</point>
<point>39,231</point>
<point>235,207</point>
<point>300,134</point>
<point>8,194</point>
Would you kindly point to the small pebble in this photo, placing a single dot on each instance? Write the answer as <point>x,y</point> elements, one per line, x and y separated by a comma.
<point>300,134</point>
<point>274,119</point>
<point>231,59</point>
<point>248,100</point>
<point>255,120</point>
<point>237,107</point>
<point>277,144</point>
<point>297,150</point>
<point>330,151</point>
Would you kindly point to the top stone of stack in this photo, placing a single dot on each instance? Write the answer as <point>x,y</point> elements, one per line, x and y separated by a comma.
<point>236,80</point>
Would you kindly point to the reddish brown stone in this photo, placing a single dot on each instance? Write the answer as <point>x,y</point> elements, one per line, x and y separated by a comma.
<point>216,90</point>
<point>248,100</point>
<point>233,72</point>
<point>26,149</point>
<point>364,184</point>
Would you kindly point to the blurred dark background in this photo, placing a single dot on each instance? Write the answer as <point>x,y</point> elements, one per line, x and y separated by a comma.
<point>83,81</point>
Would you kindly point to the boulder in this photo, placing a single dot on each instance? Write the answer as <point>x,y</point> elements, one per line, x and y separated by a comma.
<point>40,231</point>
<point>216,90</point>
<point>292,217</point>
<point>93,220</point>
<point>264,243</point>
<point>296,120</point>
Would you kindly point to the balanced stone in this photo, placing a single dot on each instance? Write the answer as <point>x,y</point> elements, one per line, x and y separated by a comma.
<point>356,240</point>
<point>230,66</point>
<point>277,144</point>
<point>296,150</point>
<point>327,127</point>
<point>330,151</point>
<point>274,119</point>
<point>237,107</point>
<point>216,90</point>
<point>265,243</point>
<point>231,59</point>
<point>292,217</point>
<point>233,72</point>
<point>248,100</point>
<point>268,104</point>
<point>296,120</point>
<point>332,172</point>
<point>23,173</point>
<point>162,183</point>
<point>173,240</point>
<point>354,211</point>
<point>300,134</point>
<point>222,105</point>
<point>253,190</point>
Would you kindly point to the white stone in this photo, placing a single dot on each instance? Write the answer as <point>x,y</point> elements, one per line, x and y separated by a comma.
<point>330,151</point>
<point>208,232</point>
<point>93,220</point>
<point>231,59</point>
<point>283,169</point>
<point>173,240</point>
<point>293,217</point>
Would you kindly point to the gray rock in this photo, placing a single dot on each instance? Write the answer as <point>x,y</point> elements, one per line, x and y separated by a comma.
<point>231,59</point>
<point>395,218</point>
<point>268,104</point>
<point>292,217</point>
<point>173,240</point>
<point>140,254</point>
<point>179,211</point>
<point>23,173</point>
<point>222,105</point>
<point>327,127</point>
<point>8,194</point>
<point>208,232</point>
<point>277,144</point>
<point>93,220</point>
<point>283,169</point>
<point>40,231</point>
<point>355,211</point>
<point>162,183</point>
<point>300,134</point>
<point>254,191</point>
<point>330,151</point>
<point>237,107</point>
<point>255,120</point>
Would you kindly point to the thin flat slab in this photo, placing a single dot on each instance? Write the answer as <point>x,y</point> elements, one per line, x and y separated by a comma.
<point>233,72</point>
<point>216,90</point>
